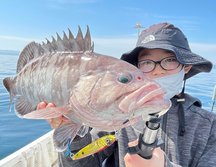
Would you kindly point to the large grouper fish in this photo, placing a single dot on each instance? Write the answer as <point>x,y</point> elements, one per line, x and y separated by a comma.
<point>90,89</point>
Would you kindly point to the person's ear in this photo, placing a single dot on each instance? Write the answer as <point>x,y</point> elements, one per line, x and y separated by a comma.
<point>187,68</point>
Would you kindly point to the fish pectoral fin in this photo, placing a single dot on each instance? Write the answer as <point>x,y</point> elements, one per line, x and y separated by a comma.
<point>64,135</point>
<point>48,113</point>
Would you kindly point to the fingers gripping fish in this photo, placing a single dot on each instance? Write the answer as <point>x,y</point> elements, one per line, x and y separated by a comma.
<point>90,89</point>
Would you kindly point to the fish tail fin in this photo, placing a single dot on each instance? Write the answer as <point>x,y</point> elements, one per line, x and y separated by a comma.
<point>9,83</point>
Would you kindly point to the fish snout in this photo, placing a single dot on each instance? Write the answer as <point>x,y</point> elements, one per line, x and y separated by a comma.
<point>139,77</point>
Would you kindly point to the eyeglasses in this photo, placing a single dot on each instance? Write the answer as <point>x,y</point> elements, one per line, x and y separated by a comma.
<point>168,63</point>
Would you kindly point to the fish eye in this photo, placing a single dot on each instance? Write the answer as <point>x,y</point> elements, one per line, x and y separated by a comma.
<point>125,79</point>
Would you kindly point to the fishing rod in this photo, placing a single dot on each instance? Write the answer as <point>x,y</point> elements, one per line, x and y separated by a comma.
<point>148,140</point>
<point>213,98</point>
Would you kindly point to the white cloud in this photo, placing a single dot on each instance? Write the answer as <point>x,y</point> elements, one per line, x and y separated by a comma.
<point>114,46</point>
<point>72,1</point>
<point>203,47</point>
<point>14,38</point>
<point>109,46</point>
<point>205,50</point>
<point>189,23</point>
<point>14,42</point>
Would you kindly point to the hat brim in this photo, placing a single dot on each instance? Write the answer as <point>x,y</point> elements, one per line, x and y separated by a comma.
<point>186,57</point>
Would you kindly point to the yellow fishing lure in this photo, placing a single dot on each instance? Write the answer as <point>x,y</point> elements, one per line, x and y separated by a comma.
<point>94,147</point>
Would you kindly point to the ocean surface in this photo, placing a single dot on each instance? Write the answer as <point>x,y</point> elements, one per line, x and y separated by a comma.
<point>16,132</point>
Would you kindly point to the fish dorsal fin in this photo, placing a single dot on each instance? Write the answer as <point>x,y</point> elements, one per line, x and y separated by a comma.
<point>67,43</point>
<point>87,39</point>
<point>71,37</point>
<point>80,40</point>
<point>31,51</point>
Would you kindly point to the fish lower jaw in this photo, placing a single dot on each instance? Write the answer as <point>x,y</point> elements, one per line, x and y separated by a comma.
<point>129,104</point>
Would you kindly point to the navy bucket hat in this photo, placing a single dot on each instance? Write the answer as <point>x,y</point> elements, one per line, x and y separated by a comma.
<point>167,36</point>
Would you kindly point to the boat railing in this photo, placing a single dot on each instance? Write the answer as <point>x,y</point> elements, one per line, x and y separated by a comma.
<point>39,153</point>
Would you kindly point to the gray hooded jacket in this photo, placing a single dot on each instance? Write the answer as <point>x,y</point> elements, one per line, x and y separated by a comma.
<point>196,148</point>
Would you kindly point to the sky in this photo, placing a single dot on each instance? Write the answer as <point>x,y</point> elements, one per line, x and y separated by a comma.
<point>111,22</point>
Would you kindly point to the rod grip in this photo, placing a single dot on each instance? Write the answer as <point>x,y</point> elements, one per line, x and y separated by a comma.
<point>148,140</point>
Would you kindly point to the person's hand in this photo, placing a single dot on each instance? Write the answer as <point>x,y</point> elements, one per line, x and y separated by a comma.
<point>134,160</point>
<point>54,122</point>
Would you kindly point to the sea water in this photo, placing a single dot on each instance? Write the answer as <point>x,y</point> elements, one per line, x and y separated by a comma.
<point>14,131</point>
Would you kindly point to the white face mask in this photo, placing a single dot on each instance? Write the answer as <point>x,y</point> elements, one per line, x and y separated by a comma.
<point>172,84</point>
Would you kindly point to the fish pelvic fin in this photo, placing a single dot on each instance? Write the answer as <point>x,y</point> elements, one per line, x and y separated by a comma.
<point>64,135</point>
<point>9,83</point>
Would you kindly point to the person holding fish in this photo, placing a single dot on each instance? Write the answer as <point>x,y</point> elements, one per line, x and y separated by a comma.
<point>162,53</point>
<point>188,131</point>
<point>145,81</point>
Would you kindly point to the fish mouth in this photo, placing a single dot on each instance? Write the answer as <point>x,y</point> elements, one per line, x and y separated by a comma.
<point>148,94</point>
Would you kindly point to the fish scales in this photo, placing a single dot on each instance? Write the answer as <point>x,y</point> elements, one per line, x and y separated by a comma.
<point>52,73</point>
<point>48,76</point>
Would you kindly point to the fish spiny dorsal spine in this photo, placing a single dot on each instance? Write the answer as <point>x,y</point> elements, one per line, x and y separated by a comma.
<point>80,40</point>
<point>65,44</point>
<point>87,40</point>
<point>71,37</point>
<point>65,38</point>
<point>69,43</point>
